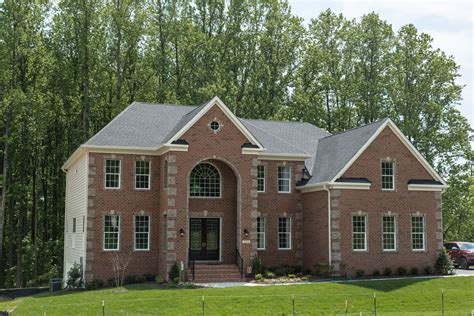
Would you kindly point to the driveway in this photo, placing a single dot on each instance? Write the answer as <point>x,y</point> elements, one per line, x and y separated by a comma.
<point>465,272</point>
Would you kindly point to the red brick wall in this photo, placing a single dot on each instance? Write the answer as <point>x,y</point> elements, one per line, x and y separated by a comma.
<point>375,202</point>
<point>315,228</point>
<point>125,201</point>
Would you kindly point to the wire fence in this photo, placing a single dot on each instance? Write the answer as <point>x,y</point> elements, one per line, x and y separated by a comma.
<point>370,303</point>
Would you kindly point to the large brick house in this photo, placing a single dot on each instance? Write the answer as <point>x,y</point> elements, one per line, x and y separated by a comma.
<point>198,186</point>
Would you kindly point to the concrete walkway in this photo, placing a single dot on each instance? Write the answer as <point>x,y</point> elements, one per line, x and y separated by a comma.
<point>458,273</point>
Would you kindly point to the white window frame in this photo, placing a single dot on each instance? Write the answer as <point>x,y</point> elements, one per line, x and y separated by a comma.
<point>119,174</point>
<point>135,232</point>
<point>143,174</point>
<point>262,233</point>
<point>365,232</point>
<point>394,234</point>
<point>382,174</point>
<point>283,179</point>
<point>423,233</point>
<point>261,178</point>
<point>221,186</point>
<point>288,233</point>
<point>118,232</point>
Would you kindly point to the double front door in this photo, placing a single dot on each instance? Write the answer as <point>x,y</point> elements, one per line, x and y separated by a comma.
<point>204,239</point>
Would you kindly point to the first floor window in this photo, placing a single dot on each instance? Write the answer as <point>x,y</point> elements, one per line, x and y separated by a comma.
<point>359,232</point>
<point>260,233</point>
<point>112,174</point>
<point>284,179</point>
<point>111,232</point>
<point>142,232</point>
<point>142,174</point>
<point>389,238</point>
<point>284,233</point>
<point>418,233</point>
<point>261,178</point>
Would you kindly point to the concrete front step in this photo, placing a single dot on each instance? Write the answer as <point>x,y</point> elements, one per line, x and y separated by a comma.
<point>208,273</point>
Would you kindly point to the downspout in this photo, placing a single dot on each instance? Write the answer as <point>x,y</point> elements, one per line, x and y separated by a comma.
<point>329,225</point>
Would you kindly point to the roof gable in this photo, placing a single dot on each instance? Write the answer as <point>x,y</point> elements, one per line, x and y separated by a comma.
<point>191,118</point>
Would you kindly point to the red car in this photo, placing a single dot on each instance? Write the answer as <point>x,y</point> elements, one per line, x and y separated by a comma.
<point>461,252</point>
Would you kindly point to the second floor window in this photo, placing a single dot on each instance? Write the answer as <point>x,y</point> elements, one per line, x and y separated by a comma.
<point>142,174</point>
<point>112,174</point>
<point>388,175</point>
<point>261,178</point>
<point>284,179</point>
<point>205,181</point>
<point>111,232</point>
<point>260,233</point>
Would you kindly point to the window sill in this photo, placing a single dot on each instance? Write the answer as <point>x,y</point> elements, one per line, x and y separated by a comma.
<point>114,189</point>
<point>205,197</point>
<point>284,192</point>
<point>284,249</point>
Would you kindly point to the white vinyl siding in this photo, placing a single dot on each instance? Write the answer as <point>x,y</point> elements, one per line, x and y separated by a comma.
<point>75,210</point>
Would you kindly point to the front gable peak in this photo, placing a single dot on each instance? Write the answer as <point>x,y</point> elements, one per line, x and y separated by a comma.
<point>200,111</point>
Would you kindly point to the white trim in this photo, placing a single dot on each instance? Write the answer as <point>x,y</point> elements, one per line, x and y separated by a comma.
<point>227,112</point>
<point>290,244</point>
<point>135,232</point>
<point>119,232</point>
<point>135,175</point>
<point>264,233</point>
<point>423,233</point>
<point>251,151</point>
<point>395,233</point>
<point>119,174</point>
<point>264,178</point>
<point>334,185</point>
<point>391,161</point>
<point>289,179</point>
<point>221,181</point>
<point>365,232</point>
<point>427,187</point>
<point>274,156</point>
<point>403,139</point>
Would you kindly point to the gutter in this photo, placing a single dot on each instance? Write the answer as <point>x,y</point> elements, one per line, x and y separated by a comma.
<point>325,188</point>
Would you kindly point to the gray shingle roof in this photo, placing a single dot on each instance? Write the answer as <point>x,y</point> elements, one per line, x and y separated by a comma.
<point>335,151</point>
<point>151,125</point>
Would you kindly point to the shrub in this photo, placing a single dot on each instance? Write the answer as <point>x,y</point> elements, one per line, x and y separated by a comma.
<point>74,277</point>
<point>95,284</point>
<point>159,279</point>
<point>414,271</point>
<point>376,272</point>
<point>290,269</point>
<point>282,271</point>
<point>401,271</point>
<point>307,271</point>
<point>175,279</point>
<point>174,272</point>
<point>140,279</point>
<point>257,267</point>
<point>444,263</point>
<point>110,282</point>
<point>258,277</point>
<point>270,275</point>
<point>298,269</point>
<point>130,279</point>
<point>149,277</point>
<point>291,276</point>
<point>322,269</point>
<point>387,271</point>
<point>428,270</point>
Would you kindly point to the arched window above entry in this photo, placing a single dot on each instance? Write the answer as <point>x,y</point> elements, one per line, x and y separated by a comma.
<point>205,181</point>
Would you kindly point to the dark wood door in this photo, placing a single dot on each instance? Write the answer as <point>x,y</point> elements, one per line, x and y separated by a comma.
<point>204,238</point>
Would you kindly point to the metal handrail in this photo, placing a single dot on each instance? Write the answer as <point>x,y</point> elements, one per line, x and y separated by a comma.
<point>240,263</point>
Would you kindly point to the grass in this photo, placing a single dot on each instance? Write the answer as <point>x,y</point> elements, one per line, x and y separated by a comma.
<point>394,297</point>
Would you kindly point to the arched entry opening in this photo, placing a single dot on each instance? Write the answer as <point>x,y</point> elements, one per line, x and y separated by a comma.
<point>212,212</point>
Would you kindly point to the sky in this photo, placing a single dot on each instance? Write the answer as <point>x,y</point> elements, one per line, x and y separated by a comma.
<point>449,22</point>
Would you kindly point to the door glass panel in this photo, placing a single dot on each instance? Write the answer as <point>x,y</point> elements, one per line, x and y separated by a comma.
<point>212,234</point>
<point>195,237</point>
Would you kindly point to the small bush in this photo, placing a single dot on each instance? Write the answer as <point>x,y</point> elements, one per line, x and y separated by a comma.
<point>322,269</point>
<point>130,279</point>
<point>272,269</point>
<point>376,272</point>
<point>74,277</point>
<point>174,272</point>
<point>307,271</point>
<point>428,270</point>
<point>110,282</point>
<point>150,277</point>
<point>282,271</point>
<point>360,273</point>
<point>291,276</point>
<point>95,284</point>
<point>298,269</point>
<point>444,263</point>
<point>258,277</point>
<point>387,271</point>
<point>159,279</point>
<point>401,271</point>
<point>175,280</point>
<point>270,275</point>
<point>414,271</point>
<point>257,267</point>
<point>140,279</point>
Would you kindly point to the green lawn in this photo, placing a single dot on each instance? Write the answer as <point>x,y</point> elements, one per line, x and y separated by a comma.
<point>394,297</point>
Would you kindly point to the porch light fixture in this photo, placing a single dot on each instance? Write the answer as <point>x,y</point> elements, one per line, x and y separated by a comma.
<point>181,232</point>
<point>246,232</point>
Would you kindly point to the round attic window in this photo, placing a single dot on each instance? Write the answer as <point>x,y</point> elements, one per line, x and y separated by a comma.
<point>215,126</point>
